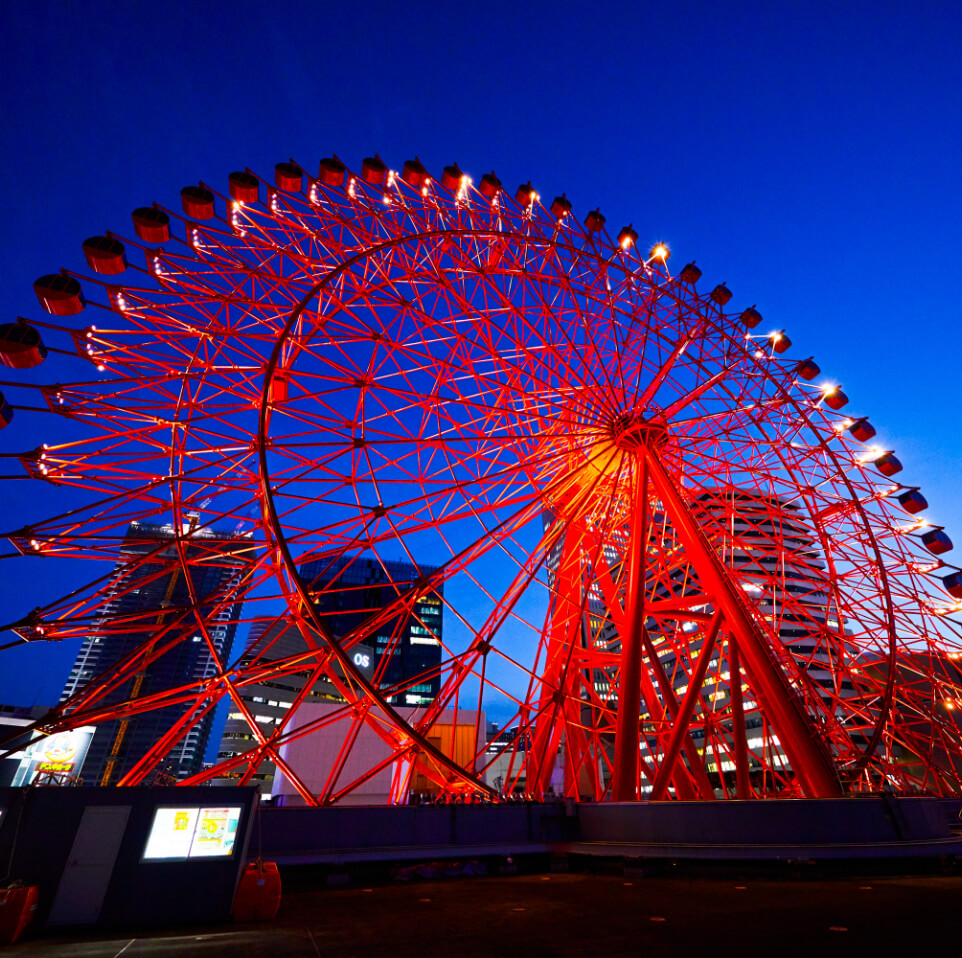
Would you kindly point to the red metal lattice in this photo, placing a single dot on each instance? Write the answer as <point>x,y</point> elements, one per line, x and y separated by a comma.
<point>624,498</point>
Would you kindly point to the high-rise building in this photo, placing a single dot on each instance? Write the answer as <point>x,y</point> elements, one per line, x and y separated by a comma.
<point>407,648</point>
<point>148,591</point>
<point>403,653</point>
<point>270,701</point>
<point>767,543</point>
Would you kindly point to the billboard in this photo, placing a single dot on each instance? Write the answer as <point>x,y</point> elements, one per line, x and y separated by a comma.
<point>62,752</point>
<point>192,831</point>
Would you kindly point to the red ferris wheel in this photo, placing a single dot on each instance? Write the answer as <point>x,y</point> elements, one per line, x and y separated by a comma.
<point>662,550</point>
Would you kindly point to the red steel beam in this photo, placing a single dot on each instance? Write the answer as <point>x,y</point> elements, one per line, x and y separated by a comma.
<point>742,785</point>
<point>625,773</point>
<point>695,680</point>
<point>810,762</point>
<point>697,766</point>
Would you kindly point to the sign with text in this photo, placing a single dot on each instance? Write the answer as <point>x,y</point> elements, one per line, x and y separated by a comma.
<point>62,752</point>
<point>192,832</point>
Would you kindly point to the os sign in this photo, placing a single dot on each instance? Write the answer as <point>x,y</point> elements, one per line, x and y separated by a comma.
<point>364,658</point>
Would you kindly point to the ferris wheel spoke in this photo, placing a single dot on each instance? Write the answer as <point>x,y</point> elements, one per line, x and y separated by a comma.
<point>549,349</point>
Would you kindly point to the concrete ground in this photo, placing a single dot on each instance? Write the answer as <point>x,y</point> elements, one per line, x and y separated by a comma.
<point>567,914</point>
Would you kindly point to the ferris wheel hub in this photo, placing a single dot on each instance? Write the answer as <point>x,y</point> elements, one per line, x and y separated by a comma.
<point>632,431</point>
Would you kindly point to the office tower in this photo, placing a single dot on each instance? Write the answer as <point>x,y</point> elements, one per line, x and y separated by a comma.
<point>151,596</point>
<point>766,542</point>
<point>273,640</point>
<point>346,593</point>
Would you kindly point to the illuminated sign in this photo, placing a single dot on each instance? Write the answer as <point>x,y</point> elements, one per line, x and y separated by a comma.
<point>192,832</point>
<point>364,659</point>
<point>215,833</point>
<point>171,834</point>
<point>61,752</point>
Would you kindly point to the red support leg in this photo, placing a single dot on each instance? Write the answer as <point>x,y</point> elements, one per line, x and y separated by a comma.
<point>742,789</point>
<point>625,775</point>
<point>809,760</point>
<point>560,677</point>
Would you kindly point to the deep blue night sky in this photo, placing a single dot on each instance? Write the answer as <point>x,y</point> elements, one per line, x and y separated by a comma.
<point>806,153</point>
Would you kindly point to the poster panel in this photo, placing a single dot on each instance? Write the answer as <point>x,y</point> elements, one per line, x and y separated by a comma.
<point>215,832</point>
<point>171,834</point>
<point>192,832</point>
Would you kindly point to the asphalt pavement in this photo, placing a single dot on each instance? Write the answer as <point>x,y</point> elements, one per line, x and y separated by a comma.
<point>566,914</point>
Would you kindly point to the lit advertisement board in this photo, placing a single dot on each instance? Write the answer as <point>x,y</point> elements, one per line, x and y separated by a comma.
<point>61,752</point>
<point>171,833</point>
<point>215,833</point>
<point>192,832</point>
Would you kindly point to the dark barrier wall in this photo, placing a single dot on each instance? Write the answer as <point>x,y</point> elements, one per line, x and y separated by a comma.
<point>780,822</point>
<point>99,870</point>
<point>295,835</point>
<point>84,847</point>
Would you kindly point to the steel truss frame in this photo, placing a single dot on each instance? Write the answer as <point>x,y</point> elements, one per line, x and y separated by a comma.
<point>659,551</point>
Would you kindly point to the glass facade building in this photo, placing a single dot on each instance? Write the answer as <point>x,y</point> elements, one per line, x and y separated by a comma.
<point>148,595</point>
<point>403,653</point>
<point>407,648</point>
